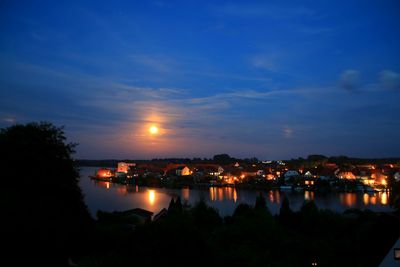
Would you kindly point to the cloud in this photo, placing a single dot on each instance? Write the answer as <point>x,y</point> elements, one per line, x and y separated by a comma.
<point>160,64</point>
<point>287,132</point>
<point>311,30</point>
<point>390,79</point>
<point>263,10</point>
<point>266,62</point>
<point>350,80</point>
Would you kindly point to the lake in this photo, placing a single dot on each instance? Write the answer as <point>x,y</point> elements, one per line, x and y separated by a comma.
<point>108,196</point>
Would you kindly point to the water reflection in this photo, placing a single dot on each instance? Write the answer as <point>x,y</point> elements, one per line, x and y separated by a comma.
<point>366,199</point>
<point>348,199</point>
<point>274,196</point>
<point>103,195</point>
<point>152,197</point>
<point>384,198</point>
<point>222,193</point>
<point>381,198</point>
<point>308,195</point>
<point>185,193</point>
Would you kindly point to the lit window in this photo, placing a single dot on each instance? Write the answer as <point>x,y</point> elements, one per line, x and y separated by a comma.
<point>397,254</point>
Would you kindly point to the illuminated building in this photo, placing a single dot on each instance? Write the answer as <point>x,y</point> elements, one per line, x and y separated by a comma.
<point>124,167</point>
<point>104,173</point>
<point>183,171</point>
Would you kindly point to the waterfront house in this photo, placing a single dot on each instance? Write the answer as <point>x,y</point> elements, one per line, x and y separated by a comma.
<point>183,171</point>
<point>392,258</point>
<point>397,176</point>
<point>124,167</point>
<point>140,214</point>
<point>104,173</point>
<point>162,214</point>
<point>290,173</point>
<point>346,174</point>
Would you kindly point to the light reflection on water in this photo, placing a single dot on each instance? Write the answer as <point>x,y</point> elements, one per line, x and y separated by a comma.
<point>109,197</point>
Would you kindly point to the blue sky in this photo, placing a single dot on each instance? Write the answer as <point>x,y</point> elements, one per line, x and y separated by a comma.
<point>271,79</point>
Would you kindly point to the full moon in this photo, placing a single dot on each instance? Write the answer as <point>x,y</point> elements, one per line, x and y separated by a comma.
<point>153,130</point>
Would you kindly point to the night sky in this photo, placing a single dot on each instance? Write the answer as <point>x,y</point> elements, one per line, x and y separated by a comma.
<point>271,79</point>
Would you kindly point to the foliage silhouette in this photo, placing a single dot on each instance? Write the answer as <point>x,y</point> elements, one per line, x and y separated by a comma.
<point>40,195</point>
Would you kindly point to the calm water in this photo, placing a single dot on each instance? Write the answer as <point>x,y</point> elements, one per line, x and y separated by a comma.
<point>109,197</point>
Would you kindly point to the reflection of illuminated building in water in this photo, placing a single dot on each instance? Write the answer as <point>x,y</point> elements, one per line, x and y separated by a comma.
<point>348,199</point>
<point>377,198</point>
<point>185,193</point>
<point>271,196</point>
<point>366,199</point>
<point>309,195</point>
<point>152,197</point>
<point>384,198</point>
<point>103,184</point>
<point>212,193</point>
<point>223,193</point>
<point>373,199</point>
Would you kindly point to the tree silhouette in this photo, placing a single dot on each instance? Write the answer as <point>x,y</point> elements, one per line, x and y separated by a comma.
<point>178,204</point>
<point>171,205</point>
<point>260,202</point>
<point>40,194</point>
<point>286,215</point>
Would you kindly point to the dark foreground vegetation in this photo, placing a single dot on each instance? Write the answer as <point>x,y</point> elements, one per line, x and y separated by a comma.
<point>250,237</point>
<point>46,223</point>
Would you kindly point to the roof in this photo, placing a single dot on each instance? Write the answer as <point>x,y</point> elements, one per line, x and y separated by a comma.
<point>390,259</point>
<point>161,214</point>
<point>139,212</point>
<point>181,167</point>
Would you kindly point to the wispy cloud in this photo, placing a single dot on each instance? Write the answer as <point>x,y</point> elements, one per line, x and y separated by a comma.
<point>390,79</point>
<point>262,10</point>
<point>156,63</point>
<point>268,62</point>
<point>350,79</point>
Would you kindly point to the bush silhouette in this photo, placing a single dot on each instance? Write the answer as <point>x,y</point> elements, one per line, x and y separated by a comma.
<point>45,213</point>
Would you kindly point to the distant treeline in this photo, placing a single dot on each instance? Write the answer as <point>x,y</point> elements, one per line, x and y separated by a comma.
<point>226,159</point>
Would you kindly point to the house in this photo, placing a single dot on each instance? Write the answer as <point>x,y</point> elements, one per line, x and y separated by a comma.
<point>345,174</point>
<point>124,167</point>
<point>104,173</point>
<point>260,172</point>
<point>162,214</point>
<point>379,178</point>
<point>183,171</point>
<point>269,176</point>
<point>397,176</point>
<point>392,258</point>
<point>308,174</point>
<point>251,171</point>
<point>289,174</point>
<point>211,170</point>
<point>140,214</point>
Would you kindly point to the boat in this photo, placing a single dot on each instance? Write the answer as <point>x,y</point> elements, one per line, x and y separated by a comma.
<point>369,189</point>
<point>298,189</point>
<point>285,187</point>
